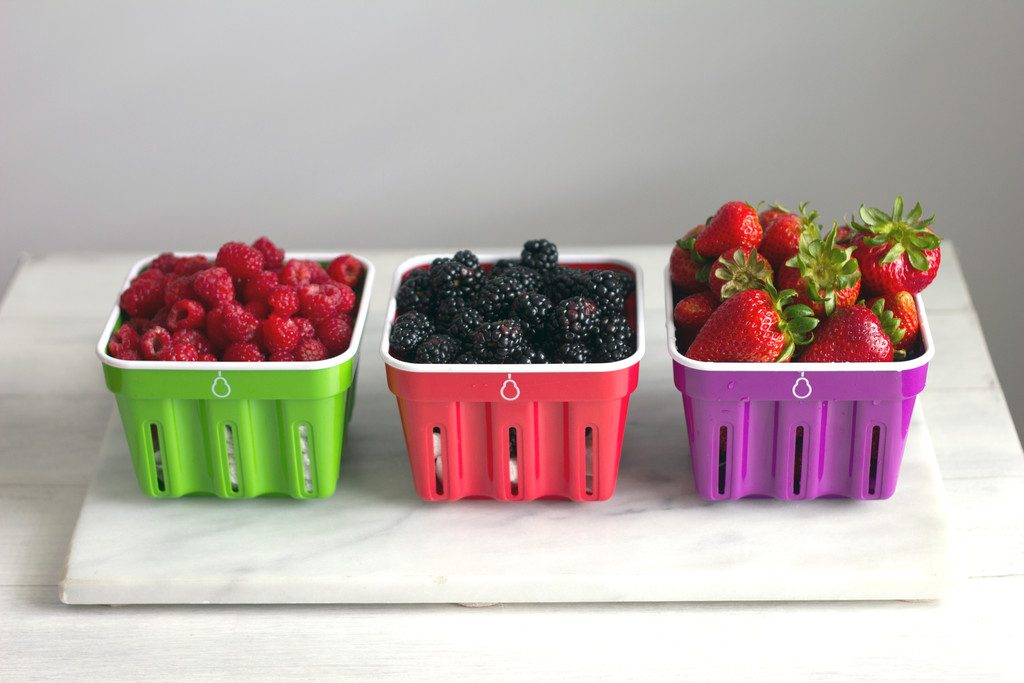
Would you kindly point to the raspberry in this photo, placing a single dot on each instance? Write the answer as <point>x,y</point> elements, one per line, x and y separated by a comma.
<point>186,315</point>
<point>240,260</point>
<point>179,287</point>
<point>159,319</point>
<point>193,337</point>
<point>243,352</point>
<point>190,265</point>
<point>180,351</point>
<point>258,288</point>
<point>325,301</point>
<point>284,301</point>
<point>280,334</point>
<point>306,328</point>
<point>207,358</point>
<point>140,325</point>
<point>124,343</point>
<point>336,334</point>
<point>214,286</point>
<point>150,274</point>
<point>153,342</point>
<point>310,350</point>
<point>346,269</point>
<point>144,297</point>
<point>281,357</point>
<point>239,324</point>
<point>273,256</point>
<point>215,331</point>
<point>165,262</point>
<point>260,309</point>
<point>299,273</point>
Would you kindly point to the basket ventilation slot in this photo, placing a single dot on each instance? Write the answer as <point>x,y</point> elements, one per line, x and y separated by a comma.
<point>513,461</point>
<point>229,449</point>
<point>438,462</point>
<point>876,432</point>
<point>798,460</point>
<point>723,452</point>
<point>307,467</point>
<point>588,439</point>
<point>158,458</point>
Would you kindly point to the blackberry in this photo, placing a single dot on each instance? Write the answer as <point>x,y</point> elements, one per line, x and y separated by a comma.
<point>409,331</point>
<point>464,324</point>
<point>415,293</point>
<point>615,327</point>
<point>498,342</point>
<point>605,288</point>
<point>609,351</point>
<point>494,301</point>
<point>574,319</point>
<point>628,281</point>
<point>614,339</point>
<point>533,310</point>
<point>467,258</point>
<point>502,265</point>
<point>529,355</point>
<point>561,283</point>
<point>467,358</point>
<point>540,255</point>
<point>446,311</point>
<point>438,348</point>
<point>531,280</point>
<point>574,352</point>
<point>453,278</point>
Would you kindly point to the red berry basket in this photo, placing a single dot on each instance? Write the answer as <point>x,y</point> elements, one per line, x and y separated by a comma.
<point>516,432</point>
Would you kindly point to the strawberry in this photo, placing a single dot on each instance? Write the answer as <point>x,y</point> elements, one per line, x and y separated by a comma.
<point>773,211</point>
<point>856,334</point>
<point>735,225</point>
<point>754,326</point>
<point>685,264</point>
<point>825,276</point>
<point>744,269</point>
<point>905,311</point>
<point>845,235</point>
<point>782,236</point>
<point>692,312</point>
<point>895,253</point>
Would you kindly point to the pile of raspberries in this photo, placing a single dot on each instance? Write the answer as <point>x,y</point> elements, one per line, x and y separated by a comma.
<point>526,310</point>
<point>249,305</point>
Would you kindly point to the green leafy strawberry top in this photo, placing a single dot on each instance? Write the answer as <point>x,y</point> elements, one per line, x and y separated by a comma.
<point>890,325</point>
<point>742,272</point>
<point>909,235</point>
<point>795,320</point>
<point>825,267</point>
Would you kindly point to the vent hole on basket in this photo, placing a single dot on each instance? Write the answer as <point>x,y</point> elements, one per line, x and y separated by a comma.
<point>307,467</point>
<point>438,463</point>
<point>588,459</point>
<point>158,456</point>
<point>229,448</point>
<point>876,433</point>
<point>513,461</point>
<point>723,453</point>
<point>798,460</point>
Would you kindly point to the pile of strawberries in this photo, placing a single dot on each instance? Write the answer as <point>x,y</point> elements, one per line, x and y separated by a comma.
<point>249,305</point>
<point>769,287</point>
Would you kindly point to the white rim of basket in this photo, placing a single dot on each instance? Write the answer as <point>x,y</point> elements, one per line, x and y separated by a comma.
<point>798,366</point>
<point>505,368</point>
<point>357,330</point>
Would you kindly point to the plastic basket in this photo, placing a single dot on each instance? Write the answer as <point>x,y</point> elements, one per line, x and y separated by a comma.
<point>236,430</point>
<point>798,431</point>
<point>515,432</point>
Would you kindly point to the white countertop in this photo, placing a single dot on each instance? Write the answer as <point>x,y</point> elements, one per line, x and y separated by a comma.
<point>54,410</point>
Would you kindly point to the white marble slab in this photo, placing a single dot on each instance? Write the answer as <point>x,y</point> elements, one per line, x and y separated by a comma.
<point>376,542</point>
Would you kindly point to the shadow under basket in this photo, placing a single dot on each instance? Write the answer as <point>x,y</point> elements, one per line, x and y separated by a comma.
<point>798,431</point>
<point>236,430</point>
<point>516,432</point>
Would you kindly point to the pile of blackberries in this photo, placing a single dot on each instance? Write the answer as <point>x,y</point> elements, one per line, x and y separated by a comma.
<point>526,310</point>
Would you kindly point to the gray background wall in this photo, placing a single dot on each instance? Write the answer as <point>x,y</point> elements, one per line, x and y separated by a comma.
<point>144,125</point>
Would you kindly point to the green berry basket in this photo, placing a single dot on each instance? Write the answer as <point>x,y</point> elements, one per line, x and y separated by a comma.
<point>236,430</point>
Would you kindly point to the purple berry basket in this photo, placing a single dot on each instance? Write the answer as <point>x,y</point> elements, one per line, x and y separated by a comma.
<point>798,431</point>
